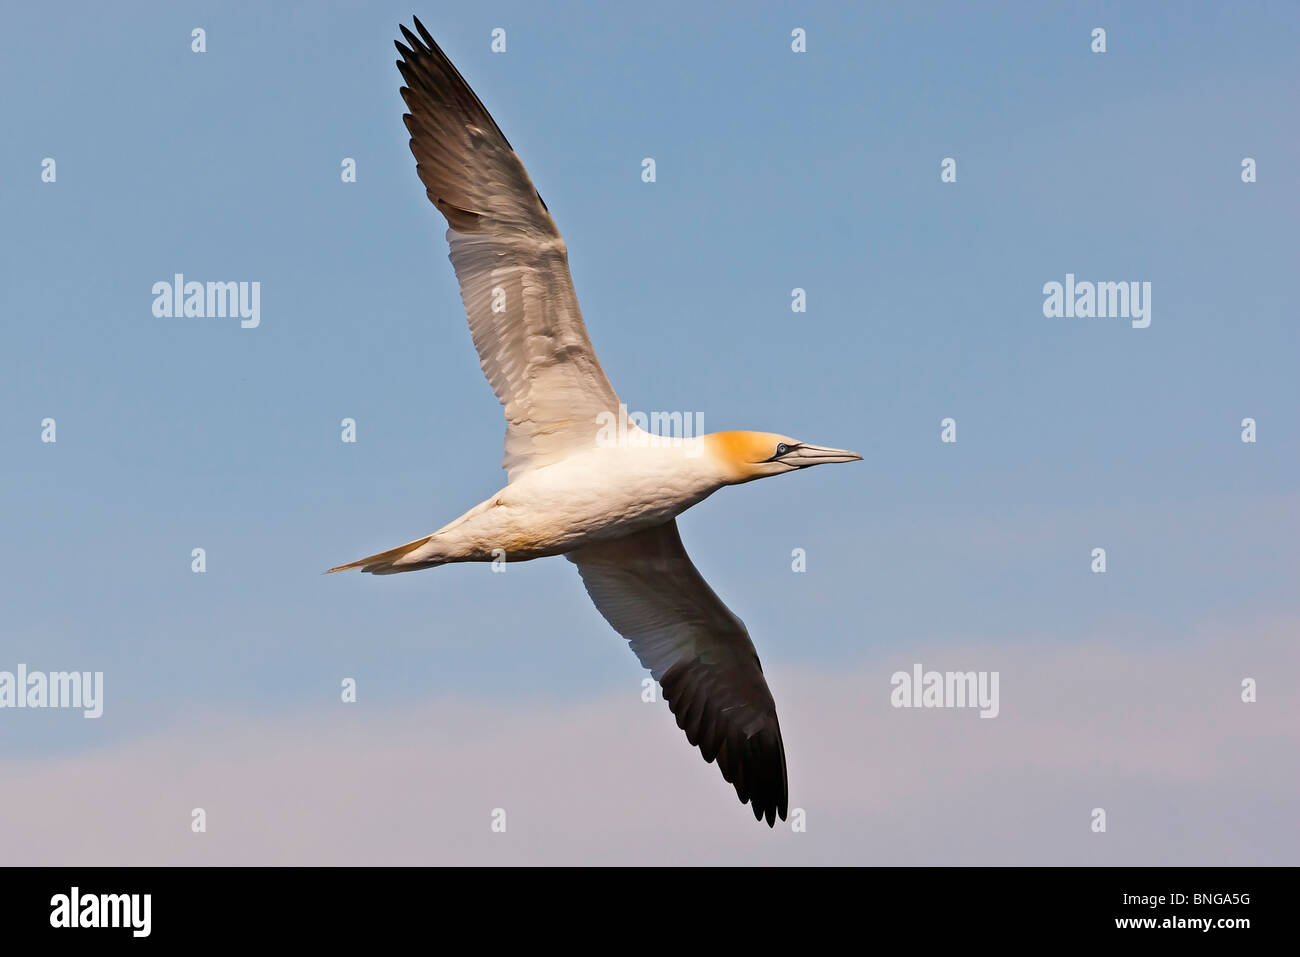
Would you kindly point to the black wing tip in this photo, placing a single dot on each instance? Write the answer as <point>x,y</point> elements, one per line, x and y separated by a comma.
<point>425,65</point>
<point>754,765</point>
<point>410,49</point>
<point>424,43</point>
<point>766,810</point>
<point>767,797</point>
<point>769,808</point>
<point>424,34</point>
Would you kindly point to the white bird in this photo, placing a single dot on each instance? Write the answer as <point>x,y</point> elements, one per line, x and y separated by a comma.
<point>610,508</point>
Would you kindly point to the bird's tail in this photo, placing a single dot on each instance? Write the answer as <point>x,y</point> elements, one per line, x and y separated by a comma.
<point>391,562</point>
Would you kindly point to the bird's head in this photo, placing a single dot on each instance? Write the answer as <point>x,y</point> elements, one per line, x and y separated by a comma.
<point>745,456</point>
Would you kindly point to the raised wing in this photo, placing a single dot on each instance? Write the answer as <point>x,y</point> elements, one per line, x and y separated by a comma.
<point>511,263</point>
<point>700,653</point>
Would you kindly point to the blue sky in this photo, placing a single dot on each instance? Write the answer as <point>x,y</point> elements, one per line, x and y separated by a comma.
<point>774,171</point>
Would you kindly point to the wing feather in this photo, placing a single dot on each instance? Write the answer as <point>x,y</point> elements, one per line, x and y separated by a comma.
<point>510,261</point>
<point>647,588</point>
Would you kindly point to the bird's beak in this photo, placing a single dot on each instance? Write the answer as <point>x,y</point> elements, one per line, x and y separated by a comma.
<point>805,455</point>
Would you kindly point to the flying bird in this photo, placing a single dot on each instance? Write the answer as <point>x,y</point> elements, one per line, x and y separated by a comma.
<point>609,507</point>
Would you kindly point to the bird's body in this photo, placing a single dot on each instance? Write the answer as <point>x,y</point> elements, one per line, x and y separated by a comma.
<point>608,505</point>
<point>592,496</point>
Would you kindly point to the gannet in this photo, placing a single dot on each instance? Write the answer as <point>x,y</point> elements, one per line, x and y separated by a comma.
<point>610,508</point>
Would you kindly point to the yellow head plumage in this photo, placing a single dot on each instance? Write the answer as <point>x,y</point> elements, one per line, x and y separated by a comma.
<point>745,456</point>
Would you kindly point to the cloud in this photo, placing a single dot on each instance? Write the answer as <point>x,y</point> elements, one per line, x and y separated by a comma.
<point>1156,735</point>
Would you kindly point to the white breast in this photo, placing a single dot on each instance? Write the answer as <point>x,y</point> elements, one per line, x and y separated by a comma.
<point>607,492</point>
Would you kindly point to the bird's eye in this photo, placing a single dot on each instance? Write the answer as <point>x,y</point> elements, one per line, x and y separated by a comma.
<point>782,449</point>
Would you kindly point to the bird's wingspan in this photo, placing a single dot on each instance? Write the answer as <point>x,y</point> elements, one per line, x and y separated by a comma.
<point>700,653</point>
<point>511,263</point>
